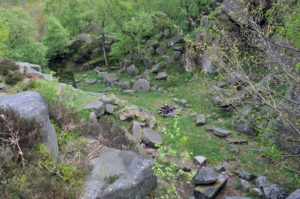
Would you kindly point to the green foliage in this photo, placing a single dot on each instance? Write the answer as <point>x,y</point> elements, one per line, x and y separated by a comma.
<point>14,77</point>
<point>47,89</point>
<point>56,39</point>
<point>10,71</point>
<point>22,45</point>
<point>4,32</point>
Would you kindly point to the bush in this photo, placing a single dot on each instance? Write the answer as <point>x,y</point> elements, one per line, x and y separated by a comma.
<point>13,77</point>
<point>7,65</point>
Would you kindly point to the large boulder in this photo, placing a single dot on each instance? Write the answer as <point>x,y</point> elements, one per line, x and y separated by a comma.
<point>274,191</point>
<point>32,69</point>
<point>205,176</point>
<point>132,70</point>
<point>142,85</point>
<point>31,105</point>
<point>151,138</point>
<point>294,195</point>
<point>110,78</point>
<point>237,11</point>
<point>98,107</point>
<point>119,174</point>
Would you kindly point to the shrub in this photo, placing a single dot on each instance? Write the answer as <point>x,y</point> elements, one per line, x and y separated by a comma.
<point>7,65</point>
<point>14,77</point>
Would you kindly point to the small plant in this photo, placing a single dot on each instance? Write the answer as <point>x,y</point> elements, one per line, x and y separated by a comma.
<point>111,179</point>
<point>7,65</point>
<point>238,184</point>
<point>13,77</point>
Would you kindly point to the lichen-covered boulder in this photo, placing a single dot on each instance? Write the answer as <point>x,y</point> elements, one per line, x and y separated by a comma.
<point>31,105</point>
<point>119,174</point>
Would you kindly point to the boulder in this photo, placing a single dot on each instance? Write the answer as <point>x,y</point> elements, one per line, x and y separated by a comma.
<point>162,49</point>
<point>31,105</point>
<point>110,78</point>
<point>162,76</point>
<point>256,192</point>
<point>245,184</point>
<point>181,102</point>
<point>132,70</point>
<point>147,63</point>
<point>33,69</point>
<point>142,85</point>
<point>274,191</point>
<point>200,160</point>
<point>167,33</point>
<point>236,197</point>
<point>124,85</point>
<point>294,195</point>
<point>98,107</point>
<point>205,176</point>
<point>119,174</point>
<point>211,191</point>
<point>151,138</point>
<point>243,127</point>
<point>157,68</point>
<point>207,64</point>
<point>178,38</point>
<point>177,55</point>
<point>2,87</point>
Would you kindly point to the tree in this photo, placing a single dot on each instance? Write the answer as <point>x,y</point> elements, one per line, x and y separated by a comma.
<point>56,39</point>
<point>22,45</point>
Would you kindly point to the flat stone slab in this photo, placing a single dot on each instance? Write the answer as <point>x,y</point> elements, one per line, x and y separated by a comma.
<point>162,76</point>
<point>220,132</point>
<point>200,160</point>
<point>200,120</point>
<point>211,191</point>
<point>205,176</point>
<point>133,175</point>
<point>244,175</point>
<point>98,107</point>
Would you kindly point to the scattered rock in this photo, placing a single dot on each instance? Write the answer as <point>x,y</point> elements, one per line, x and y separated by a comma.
<point>128,91</point>
<point>157,68</point>
<point>31,105</point>
<point>167,33</point>
<point>2,87</point>
<point>274,191</point>
<point>200,120</point>
<point>162,76</point>
<point>175,40</point>
<point>142,85</point>
<point>124,85</point>
<point>132,70</point>
<point>137,131</point>
<point>109,108</point>
<point>262,181</point>
<point>181,102</point>
<point>97,107</point>
<point>151,138</point>
<point>220,132</point>
<point>147,63</point>
<point>244,175</point>
<point>246,185</point>
<point>133,174</point>
<point>200,160</point>
<point>294,195</point>
<point>243,127</point>
<point>205,176</point>
<point>211,191</point>
<point>162,49</point>
<point>110,78</point>
<point>90,81</point>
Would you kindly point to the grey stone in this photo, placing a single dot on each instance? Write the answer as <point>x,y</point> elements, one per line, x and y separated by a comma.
<point>243,127</point>
<point>246,185</point>
<point>97,107</point>
<point>257,191</point>
<point>261,181</point>
<point>33,69</point>
<point>162,14</point>
<point>110,78</point>
<point>244,175</point>
<point>124,85</point>
<point>128,91</point>
<point>109,108</point>
<point>151,138</point>
<point>157,68</point>
<point>200,160</point>
<point>205,176</point>
<point>178,38</point>
<point>132,70</point>
<point>93,118</point>
<point>147,63</point>
<point>31,105</point>
<point>135,175</point>
<point>237,10</point>
<point>211,191</point>
<point>274,191</point>
<point>220,132</point>
<point>162,76</point>
<point>137,131</point>
<point>169,60</point>
<point>207,64</point>
<point>235,197</point>
<point>181,102</point>
<point>200,120</point>
<point>142,85</point>
<point>162,49</point>
<point>90,81</point>
<point>294,195</point>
